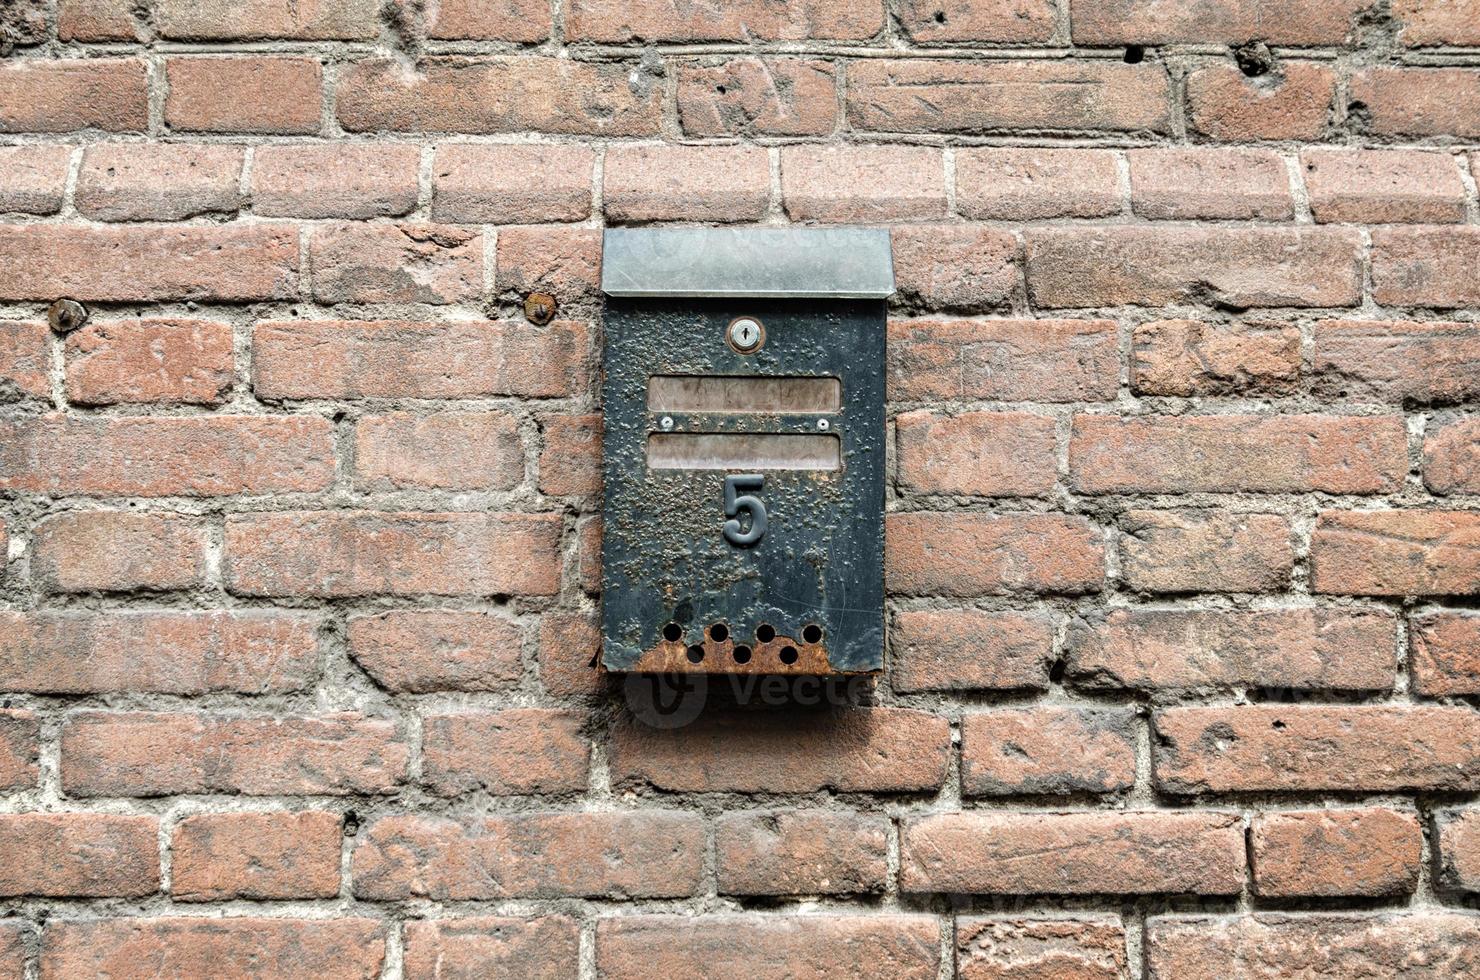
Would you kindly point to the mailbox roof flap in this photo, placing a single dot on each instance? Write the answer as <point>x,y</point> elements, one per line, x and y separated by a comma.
<point>784,263</point>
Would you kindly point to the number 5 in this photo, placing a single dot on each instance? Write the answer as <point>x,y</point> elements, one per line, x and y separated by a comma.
<point>749,504</point>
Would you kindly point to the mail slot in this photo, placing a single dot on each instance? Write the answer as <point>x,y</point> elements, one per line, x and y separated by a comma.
<point>743,401</point>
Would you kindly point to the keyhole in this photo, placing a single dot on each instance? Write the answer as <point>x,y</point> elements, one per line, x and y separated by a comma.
<point>746,335</point>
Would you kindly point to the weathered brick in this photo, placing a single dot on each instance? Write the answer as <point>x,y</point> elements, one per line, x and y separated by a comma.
<point>968,649</point>
<point>969,268</point>
<point>648,854</point>
<point>510,95</point>
<point>289,20</point>
<point>399,359</point>
<point>1190,649</point>
<point>1395,552</point>
<point>1423,945</point>
<point>1459,849</point>
<point>1000,21</point>
<point>79,855</point>
<point>141,263</point>
<point>98,20</point>
<point>1444,653</point>
<point>1316,853</point>
<point>161,754</point>
<point>158,182</point>
<point>615,22</point>
<point>356,553</point>
<point>686,183</point>
<point>1426,266</point>
<point>1382,186</point>
<point>165,457</point>
<point>326,181</point>
<point>992,554</point>
<point>258,94</point>
<point>1309,749</point>
<point>488,946</point>
<point>1137,852</point>
<point>1400,361</point>
<point>570,644</point>
<point>510,184</point>
<point>1237,453</point>
<point>33,178</point>
<point>234,946</point>
<point>758,97</point>
<point>413,263</point>
<point>15,937</point>
<point>25,360</point>
<point>1047,751</point>
<point>1410,101</point>
<point>220,856</point>
<point>1427,23</point>
<point>930,96</point>
<point>1087,947</point>
<point>588,553</point>
<point>118,550</point>
<point>800,852</point>
<point>1110,22</point>
<point>442,451</point>
<point>1035,184</point>
<point>871,750</point>
<point>478,20</point>
<point>45,95</point>
<point>570,462</point>
<point>1170,183</point>
<point>111,362</point>
<point>1205,551</point>
<point>1144,265</point>
<point>1003,360</point>
<point>1451,456</point>
<point>1188,358</point>
<point>1291,103</point>
<point>504,753</point>
<point>565,262</point>
<point>423,650</point>
<point>20,734</point>
<point>989,454</point>
<point>862,183</point>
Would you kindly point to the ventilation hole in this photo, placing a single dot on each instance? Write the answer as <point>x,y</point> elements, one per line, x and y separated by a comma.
<point>696,654</point>
<point>812,633</point>
<point>742,655</point>
<point>673,632</point>
<point>765,633</point>
<point>719,632</point>
<point>1135,54</point>
<point>788,655</point>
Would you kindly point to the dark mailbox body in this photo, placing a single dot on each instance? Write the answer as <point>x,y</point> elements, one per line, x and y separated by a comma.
<point>743,397</point>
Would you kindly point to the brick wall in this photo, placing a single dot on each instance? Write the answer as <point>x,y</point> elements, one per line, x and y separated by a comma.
<point>302,525</point>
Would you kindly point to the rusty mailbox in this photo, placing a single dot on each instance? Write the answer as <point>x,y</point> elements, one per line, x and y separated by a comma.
<point>743,395</point>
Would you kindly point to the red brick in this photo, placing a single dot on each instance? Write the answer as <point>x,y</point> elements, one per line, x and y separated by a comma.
<point>992,554</point>
<point>118,550</point>
<point>1205,551</point>
<point>25,360</point>
<point>144,263</point>
<point>1423,945</point>
<point>358,553</point>
<point>44,95</point>
<point>588,554</point>
<point>1035,184</point>
<point>889,946</point>
<point>1384,186</point>
<point>570,644</point>
<point>1003,360</point>
<point>444,451</point>
<point>505,753</point>
<point>1145,265</point>
<point>113,362</point>
<point>686,183</point>
<point>800,852</point>
<point>259,94</point>
<point>160,182</point>
<point>235,946</point>
<point>1237,453</point>
<point>988,454</point>
<point>1111,22</point>
<point>289,20</point>
<point>1088,947</point>
<point>968,649</point>
<point>1192,649</point>
<point>20,749</point>
<point>570,463</point>
<point>1317,853</point>
<point>486,946</point>
<point>414,263</point>
<point>160,754</point>
<point>1426,266</point>
<point>527,21</point>
<point>930,96</point>
<point>165,457</point>
<point>1291,103</point>
<point>1309,749</point>
<point>1398,361</point>
<point>955,267</point>
<point>758,97</point>
<point>1188,358</point>
<point>1444,653</point>
<point>510,184</point>
<point>615,22</point>
<point>1137,852</point>
<point>15,937</point>
<point>1459,849</point>
<point>565,262</point>
<point>1405,101</point>
<point>862,183</point>
<point>595,854</point>
<point>1395,552</point>
<point>510,95</point>
<point>1451,456</point>
<point>221,856</point>
<point>1427,23</point>
<point>869,750</point>
<point>327,181</point>
<point>398,359</point>
<point>78,855</point>
<point>98,20</point>
<point>1047,751</point>
<point>33,178</point>
<point>1202,183</point>
<point>419,651</point>
<point>1001,21</point>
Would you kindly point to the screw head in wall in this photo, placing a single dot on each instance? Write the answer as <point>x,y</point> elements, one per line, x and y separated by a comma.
<point>66,315</point>
<point>539,308</point>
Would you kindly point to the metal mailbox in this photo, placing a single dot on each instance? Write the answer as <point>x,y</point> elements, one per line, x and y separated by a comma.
<point>743,398</point>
